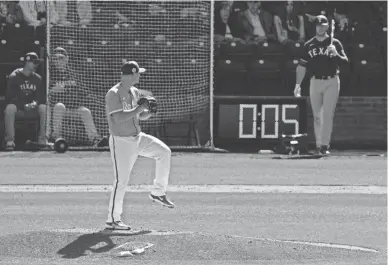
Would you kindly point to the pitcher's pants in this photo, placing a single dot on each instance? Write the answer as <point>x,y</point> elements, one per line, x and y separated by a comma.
<point>124,153</point>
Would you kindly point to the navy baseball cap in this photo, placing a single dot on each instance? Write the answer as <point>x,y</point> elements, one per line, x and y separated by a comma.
<point>321,20</point>
<point>131,67</point>
<point>31,57</point>
<point>60,52</point>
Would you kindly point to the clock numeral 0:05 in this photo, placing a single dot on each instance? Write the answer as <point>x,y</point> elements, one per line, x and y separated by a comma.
<point>263,114</point>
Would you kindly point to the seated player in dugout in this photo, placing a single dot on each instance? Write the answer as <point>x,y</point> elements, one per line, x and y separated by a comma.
<point>66,99</point>
<point>25,98</point>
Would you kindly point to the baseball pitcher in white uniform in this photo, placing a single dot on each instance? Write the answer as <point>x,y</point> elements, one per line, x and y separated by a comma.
<point>124,109</point>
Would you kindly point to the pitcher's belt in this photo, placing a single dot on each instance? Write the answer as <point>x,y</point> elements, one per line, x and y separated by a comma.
<point>323,77</point>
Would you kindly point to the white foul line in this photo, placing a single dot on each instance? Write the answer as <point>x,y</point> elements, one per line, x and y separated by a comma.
<point>371,190</point>
<point>171,233</point>
<point>317,244</point>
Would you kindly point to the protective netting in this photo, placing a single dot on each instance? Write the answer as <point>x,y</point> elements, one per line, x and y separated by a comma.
<point>170,39</point>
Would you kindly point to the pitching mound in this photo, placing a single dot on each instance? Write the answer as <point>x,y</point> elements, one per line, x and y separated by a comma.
<point>105,248</point>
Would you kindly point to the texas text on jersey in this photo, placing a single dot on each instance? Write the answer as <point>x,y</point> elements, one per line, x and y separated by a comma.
<point>317,58</point>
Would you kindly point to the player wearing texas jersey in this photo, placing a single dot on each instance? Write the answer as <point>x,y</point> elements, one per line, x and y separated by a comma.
<point>25,97</point>
<point>322,56</point>
<point>127,142</point>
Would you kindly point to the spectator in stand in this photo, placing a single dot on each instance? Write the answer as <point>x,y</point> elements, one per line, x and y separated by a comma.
<point>342,29</point>
<point>124,13</point>
<point>289,24</point>
<point>10,13</point>
<point>116,12</point>
<point>60,8</point>
<point>223,28</point>
<point>84,11</point>
<point>311,9</point>
<point>236,9</point>
<point>25,97</point>
<point>66,95</point>
<point>72,12</point>
<point>34,12</point>
<point>257,23</point>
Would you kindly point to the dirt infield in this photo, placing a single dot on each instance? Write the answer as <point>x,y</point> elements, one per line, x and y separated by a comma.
<point>99,248</point>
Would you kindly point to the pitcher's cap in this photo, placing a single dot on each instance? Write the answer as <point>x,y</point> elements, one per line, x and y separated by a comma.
<point>131,67</point>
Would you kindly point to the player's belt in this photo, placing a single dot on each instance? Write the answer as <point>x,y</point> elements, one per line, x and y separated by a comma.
<point>324,77</point>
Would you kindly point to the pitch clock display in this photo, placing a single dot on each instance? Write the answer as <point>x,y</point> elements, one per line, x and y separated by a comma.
<point>256,120</point>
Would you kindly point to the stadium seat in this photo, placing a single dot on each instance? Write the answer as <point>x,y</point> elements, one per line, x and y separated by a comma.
<point>88,72</point>
<point>157,25</point>
<point>361,51</point>
<point>116,32</point>
<point>269,50</point>
<point>235,49</point>
<point>294,50</point>
<point>103,49</point>
<point>159,74</point>
<point>73,47</point>
<point>166,49</point>
<point>4,50</point>
<point>266,78</point>
<point>346,89</point>
<point>138,50</point>
<point>189,49</point>
<point>194,66</point>
<point>230,77</point>
<point>369,78</point>
<point>14,34</point>
<point>60,35</point>
<point>86,34</point>
<point>32,46</point>
<point>5,70</point>
<point>9,53</point>
<point>361,33</point>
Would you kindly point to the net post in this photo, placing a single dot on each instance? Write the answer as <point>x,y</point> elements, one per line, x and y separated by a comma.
<point>211,74</point>
<point>47,65</point>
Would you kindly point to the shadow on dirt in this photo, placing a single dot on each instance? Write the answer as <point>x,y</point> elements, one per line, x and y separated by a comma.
<point>98,242</point>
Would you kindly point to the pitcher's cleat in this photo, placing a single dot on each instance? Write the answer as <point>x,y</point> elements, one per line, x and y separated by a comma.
<point>10,146</point>
<point>162,200</point>
<point>119,225</point>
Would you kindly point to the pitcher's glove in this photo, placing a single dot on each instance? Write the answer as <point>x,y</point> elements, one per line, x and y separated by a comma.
<point>150,102</point>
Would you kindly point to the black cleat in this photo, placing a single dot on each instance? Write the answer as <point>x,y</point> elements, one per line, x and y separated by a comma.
<point>318,151</point>
<point>162,200</point>
<point>103,142</point>
<point>325,150</point>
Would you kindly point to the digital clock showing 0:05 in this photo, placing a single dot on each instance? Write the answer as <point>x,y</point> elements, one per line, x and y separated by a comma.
<point>258,120</point>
